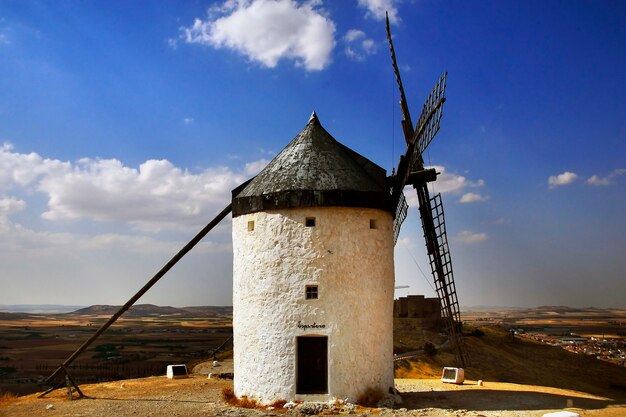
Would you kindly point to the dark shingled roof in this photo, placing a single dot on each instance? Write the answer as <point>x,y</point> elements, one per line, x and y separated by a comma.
<point>314,170</point>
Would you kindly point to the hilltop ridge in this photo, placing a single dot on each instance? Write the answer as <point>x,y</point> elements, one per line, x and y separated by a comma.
<point>143,310</point>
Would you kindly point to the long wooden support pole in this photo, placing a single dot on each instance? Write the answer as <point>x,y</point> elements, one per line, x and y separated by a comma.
<point>143,290</point>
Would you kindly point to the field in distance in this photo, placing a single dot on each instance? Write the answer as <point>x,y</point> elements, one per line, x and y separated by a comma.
<point>147,338</point>
<point>584,321</point>
<point>141,343</point>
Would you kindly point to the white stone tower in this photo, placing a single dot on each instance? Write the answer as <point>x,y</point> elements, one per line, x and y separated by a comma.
<point>313,275</point>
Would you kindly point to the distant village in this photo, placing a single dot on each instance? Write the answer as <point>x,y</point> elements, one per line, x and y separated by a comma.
<point>610,349</point>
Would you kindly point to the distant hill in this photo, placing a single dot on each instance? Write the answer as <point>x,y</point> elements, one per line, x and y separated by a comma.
<point>38,308</point>
<point>490,308</point>
<point>537,310</point>
<point>210,310</point>
<point>136,310</point>
<point>14,316</point>
<point>146,310</point>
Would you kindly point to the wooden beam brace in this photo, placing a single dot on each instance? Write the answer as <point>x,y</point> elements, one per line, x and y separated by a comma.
<point>423,176</point>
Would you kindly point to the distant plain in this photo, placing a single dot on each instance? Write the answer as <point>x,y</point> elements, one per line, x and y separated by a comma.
<point>141,343</point>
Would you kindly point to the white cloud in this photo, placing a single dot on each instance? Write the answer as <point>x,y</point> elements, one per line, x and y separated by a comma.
<point>267,31</point>
<point>253,168</point>
<point>469,237</point>
<point>473,198</point>
<point>447,182</point>
<point>155,196</point>
<point>358,45</point>
<point>10,205</point>
<point>599,181</point>
<point>188,120</point>
<point>353,35</point>
<point>376,9</point>
<point>24,240</point>
<point>17,169</point>
<point>453,183</point>
<point>561,179</point>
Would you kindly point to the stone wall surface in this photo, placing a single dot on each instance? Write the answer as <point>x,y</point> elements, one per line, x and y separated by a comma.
<point>353,266</point>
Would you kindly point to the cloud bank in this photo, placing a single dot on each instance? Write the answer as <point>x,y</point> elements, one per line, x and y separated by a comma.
<point>155,196</point>
<point>267,31</point>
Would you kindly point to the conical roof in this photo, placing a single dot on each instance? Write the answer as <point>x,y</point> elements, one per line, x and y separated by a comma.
<point>314,170</point>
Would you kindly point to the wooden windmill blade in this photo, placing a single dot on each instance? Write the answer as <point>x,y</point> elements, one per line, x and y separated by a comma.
<point>411,163</point>
<point>411,171</point>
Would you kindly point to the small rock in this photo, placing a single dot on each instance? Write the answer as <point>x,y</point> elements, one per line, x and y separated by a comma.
<point>290,405</point>
<point>311,408</point>
<point>348,406</point>
<point>123,385</point>
<point>50,407</point>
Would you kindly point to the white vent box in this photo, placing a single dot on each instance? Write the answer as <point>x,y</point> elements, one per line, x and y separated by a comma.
<point>177,371</point>
<point>453,375</point>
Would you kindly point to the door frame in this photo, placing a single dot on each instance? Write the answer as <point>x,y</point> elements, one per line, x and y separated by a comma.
<point>297,360</point>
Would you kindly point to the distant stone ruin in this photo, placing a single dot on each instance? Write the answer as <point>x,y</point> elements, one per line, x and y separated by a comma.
<point>419,307</point>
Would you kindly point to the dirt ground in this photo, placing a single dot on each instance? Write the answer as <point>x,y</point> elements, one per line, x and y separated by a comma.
<point>200,396</point>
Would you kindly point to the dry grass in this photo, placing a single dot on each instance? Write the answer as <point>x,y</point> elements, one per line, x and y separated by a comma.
<point>424,368</point>
<point>228,395</point>
<point>278,404</point>
<point>7,398</point>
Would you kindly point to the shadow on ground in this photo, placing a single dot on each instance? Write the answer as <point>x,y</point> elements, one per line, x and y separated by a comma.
<point>149,400</point>
<point>489,400</point>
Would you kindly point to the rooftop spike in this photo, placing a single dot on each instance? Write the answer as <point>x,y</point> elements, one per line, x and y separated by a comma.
<point>313,120</point>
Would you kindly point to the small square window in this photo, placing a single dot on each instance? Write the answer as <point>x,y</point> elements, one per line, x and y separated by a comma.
<point>250,225</point>
<point>310,222</point>
<point>373,224</point>
<point>311,292</point>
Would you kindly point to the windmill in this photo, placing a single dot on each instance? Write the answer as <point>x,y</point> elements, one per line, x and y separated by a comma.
<point>411,171</point>
<point>313,238</point>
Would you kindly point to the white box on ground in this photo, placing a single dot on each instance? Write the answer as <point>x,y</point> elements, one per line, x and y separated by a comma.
<point>453,375</point>
<point>177,371</point>
<point>562,414</point>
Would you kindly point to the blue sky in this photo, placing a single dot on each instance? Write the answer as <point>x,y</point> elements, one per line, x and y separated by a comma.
<point>124,126</point>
